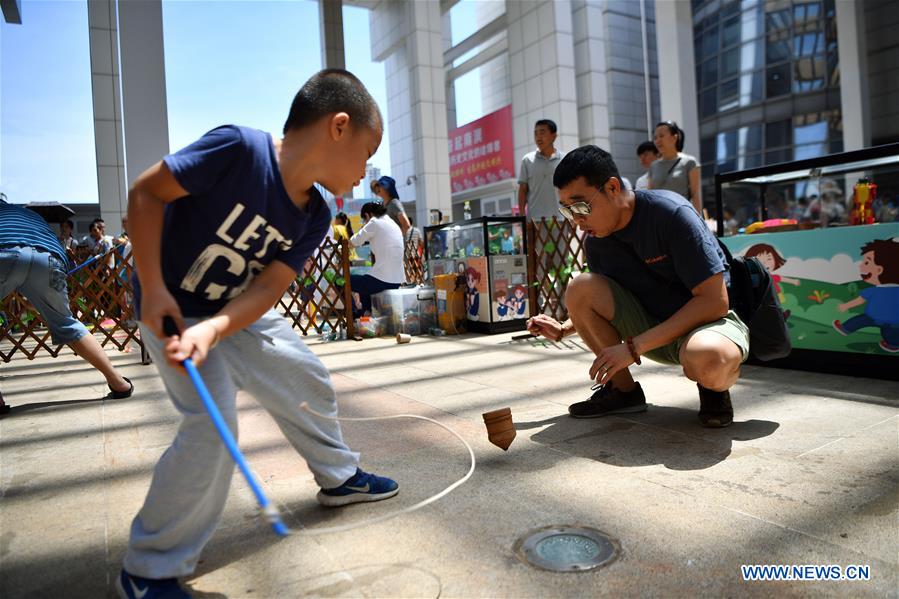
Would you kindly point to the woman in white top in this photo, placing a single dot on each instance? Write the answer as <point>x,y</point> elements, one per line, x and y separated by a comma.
<point>675,171</point>
<point>386,241</point>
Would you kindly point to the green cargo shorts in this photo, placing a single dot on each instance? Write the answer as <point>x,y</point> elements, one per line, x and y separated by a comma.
<point>631,319</point>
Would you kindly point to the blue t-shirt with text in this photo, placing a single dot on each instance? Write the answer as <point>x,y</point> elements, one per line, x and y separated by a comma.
<point>237,219</point>
<point>664,251</point>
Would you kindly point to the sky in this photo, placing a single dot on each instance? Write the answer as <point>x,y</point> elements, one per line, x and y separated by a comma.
<point>235,62</point>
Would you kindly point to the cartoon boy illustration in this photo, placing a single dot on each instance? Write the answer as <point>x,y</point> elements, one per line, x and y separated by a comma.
<point>772,261</point>
<point>472,296</point>
<point>880,268</point>
<point>502,307</point>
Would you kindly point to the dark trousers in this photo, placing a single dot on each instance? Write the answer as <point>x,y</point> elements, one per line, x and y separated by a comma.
<point>366,286</point>
<point>890,332</point>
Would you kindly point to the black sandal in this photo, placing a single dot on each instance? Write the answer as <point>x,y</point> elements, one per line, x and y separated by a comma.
<point>121,394</point>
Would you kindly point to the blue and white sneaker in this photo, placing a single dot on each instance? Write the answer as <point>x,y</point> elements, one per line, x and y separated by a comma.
<point>130,586</point>
<point>362,486</point>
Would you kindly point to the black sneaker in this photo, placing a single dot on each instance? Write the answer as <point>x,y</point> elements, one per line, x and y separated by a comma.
<point>715,409</point>
<point>609,400</point>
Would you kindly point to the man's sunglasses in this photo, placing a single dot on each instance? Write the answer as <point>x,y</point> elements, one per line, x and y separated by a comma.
<point>573,210</point>
<point>580,208</point>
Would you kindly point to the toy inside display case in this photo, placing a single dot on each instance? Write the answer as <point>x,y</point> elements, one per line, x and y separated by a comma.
<point>488,253</point>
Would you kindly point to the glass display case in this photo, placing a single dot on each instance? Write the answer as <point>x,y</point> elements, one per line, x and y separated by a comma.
<point>818,192</point>
<point>489,254</point>
<point>827,230</point>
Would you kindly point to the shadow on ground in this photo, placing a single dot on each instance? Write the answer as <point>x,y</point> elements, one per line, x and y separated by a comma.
<point>667,436</point>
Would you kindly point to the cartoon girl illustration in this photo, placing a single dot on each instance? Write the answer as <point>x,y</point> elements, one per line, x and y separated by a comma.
<point>472,296</point>
<point>502,307</point>
<point>519,301</point>
<point>772,261</point>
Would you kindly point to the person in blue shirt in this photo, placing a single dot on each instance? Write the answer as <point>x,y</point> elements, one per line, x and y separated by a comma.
<point>657,286</point>
<point>219,231</point>
<point>879,267</point>
<point>34,263</point>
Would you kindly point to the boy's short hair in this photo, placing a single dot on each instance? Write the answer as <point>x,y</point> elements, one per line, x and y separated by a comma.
<point>330,91</point>
<point>549,125</point>
<point>647,146</point>
<point>591,162</point>
<point>886,256</point>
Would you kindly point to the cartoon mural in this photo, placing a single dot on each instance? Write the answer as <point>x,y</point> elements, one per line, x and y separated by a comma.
<point>839,286</point>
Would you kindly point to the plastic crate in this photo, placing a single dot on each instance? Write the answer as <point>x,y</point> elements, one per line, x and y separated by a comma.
<point>412,310</point>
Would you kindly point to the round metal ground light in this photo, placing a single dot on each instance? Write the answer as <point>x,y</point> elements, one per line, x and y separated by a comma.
<point>566,548</point>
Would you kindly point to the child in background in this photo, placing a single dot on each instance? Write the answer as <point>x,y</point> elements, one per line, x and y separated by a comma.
<point>343,229</point>
<point>220,229</point>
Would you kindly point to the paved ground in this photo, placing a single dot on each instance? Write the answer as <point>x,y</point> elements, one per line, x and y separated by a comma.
<point>806,475</point>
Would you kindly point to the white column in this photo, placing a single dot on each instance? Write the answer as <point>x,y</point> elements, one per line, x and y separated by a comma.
<point>108,137</point>
<point>541,65</point>
<point>677,71</point>
<point>143,85</point>
<point>331,22</point>
<point>611,78</point>
<point>408,37</point>
<point>854,98</point>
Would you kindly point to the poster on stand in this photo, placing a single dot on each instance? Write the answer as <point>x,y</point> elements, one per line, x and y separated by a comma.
<point>477,299</point>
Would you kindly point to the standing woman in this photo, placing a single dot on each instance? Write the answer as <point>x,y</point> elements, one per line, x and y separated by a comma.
<point>385,188</point>
<point>386,241</point>
<point>675,171</point>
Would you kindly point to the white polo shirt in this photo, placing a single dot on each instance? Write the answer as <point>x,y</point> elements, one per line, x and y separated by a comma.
<point>386,240</point>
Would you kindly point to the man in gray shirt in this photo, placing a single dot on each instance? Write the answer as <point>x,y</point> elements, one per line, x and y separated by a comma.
<point>537,198</point>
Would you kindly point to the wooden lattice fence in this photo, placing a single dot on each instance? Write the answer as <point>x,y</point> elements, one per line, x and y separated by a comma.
<point>322,294</point>
<point>555,255</point>
<point>413,261</point>
<point>101,297</point>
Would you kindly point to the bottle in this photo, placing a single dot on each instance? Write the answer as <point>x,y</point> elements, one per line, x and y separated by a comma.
<point>466,210</point>
<point>327,333</point>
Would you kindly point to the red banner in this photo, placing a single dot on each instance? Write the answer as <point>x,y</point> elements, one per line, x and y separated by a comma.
<point>481,152</point>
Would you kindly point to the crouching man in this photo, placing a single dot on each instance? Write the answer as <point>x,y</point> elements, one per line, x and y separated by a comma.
<point>656,288</point>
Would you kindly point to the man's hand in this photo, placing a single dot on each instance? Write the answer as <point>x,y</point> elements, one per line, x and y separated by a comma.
<point>156,304</point>
<point>843,307</point>
<point>193,343</point>
<point>545,325</point>
<point>609,362</point>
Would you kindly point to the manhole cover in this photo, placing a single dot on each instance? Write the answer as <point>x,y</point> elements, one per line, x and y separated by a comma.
<point>566,548</point>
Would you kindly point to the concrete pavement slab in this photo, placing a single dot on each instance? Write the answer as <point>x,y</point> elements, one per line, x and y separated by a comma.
<point>806,475</point>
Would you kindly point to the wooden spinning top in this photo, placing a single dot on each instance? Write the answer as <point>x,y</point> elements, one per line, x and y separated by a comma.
<point>500,430</point>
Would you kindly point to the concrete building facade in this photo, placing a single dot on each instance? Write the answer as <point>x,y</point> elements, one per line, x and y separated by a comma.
<point>751,82</point>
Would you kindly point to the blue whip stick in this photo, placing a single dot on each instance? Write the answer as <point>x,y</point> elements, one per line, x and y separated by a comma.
<point>268,509</point>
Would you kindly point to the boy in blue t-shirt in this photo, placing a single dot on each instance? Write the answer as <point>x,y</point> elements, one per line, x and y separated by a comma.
<point>220,229</point>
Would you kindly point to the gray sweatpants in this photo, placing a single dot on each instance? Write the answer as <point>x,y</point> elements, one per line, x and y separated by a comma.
<point>191,481</point>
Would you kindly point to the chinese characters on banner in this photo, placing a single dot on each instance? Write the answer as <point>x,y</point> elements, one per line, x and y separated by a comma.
<point>481,152</point>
